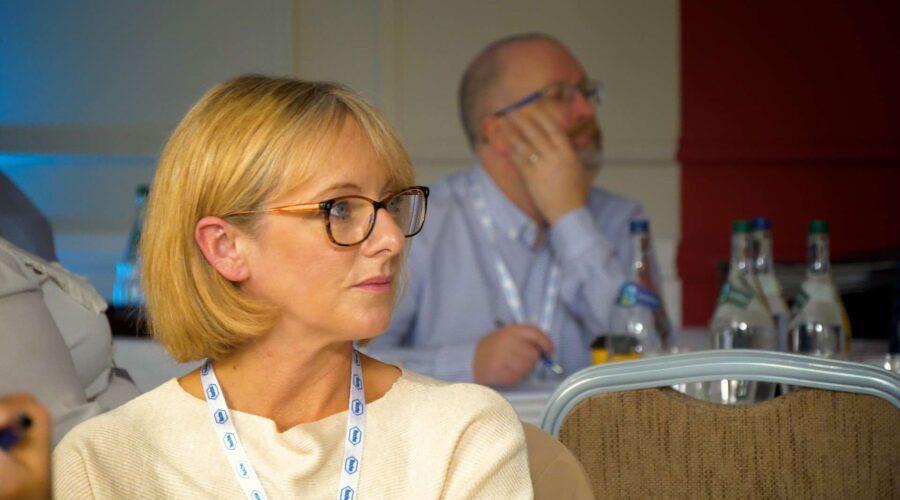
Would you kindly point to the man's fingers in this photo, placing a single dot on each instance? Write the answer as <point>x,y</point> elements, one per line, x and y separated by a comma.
<point>525,124</point>
<point>516,369</point>
<point>526,353</point>
<point>536,338</point>
<point>555,134</point>
<point>519,151</point>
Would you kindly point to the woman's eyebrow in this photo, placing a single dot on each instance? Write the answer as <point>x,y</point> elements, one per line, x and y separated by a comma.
<point>337,187</point>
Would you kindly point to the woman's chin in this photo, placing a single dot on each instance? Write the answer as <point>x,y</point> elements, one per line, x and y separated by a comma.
<point>371,325</point>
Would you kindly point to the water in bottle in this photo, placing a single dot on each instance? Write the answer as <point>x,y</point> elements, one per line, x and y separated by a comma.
<point>742,320</point>
<point>764,267</point>
<point>638,320</point>
<point>820,326</point>
<point>127,287</point>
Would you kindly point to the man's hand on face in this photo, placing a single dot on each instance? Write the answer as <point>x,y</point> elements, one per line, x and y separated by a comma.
<point>508,354</point>
<point>555,177</point>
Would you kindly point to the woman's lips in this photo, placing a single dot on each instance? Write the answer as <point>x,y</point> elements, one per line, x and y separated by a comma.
<point>376,284</point>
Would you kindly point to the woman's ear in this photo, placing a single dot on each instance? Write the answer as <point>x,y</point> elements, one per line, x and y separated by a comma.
<point>218,240</point>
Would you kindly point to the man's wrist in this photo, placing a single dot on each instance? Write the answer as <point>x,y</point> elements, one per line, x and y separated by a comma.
<point>556,213</point>
<point>575,234</point>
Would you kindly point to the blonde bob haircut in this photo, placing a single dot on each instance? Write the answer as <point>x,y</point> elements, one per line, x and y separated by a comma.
<point>246,142</point>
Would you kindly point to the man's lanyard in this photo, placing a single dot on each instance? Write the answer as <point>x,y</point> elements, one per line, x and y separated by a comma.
<point>237,457</point>
<point>510,291</point>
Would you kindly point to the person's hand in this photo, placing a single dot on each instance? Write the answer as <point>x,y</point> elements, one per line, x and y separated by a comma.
<point>25,468</point>
<point>555,177</point>
<point>508,354</point>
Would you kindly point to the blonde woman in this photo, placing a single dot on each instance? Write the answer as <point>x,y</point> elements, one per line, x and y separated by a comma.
<point>273,241</point>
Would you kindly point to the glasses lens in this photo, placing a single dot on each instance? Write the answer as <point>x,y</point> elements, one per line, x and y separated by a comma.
<point>350,220</point>
<point>593,91</point>
<point>407,208</point>
<point>560,92</point>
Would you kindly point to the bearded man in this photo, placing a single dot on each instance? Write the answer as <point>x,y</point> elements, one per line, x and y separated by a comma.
<point>521,258</point>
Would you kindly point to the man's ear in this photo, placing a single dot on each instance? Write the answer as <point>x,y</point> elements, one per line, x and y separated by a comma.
<point>493,130</point>
<point>218,240</point>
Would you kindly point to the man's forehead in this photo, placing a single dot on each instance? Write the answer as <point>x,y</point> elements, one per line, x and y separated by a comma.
<point>535,64</point>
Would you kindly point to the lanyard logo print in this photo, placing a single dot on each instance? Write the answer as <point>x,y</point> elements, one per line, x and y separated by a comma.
<point>237,457</point>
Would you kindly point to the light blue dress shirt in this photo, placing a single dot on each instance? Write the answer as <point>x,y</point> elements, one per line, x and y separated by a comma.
<point>452,297</point>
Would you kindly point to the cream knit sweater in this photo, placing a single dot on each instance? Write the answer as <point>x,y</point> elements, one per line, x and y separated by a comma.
<point>425,439</point>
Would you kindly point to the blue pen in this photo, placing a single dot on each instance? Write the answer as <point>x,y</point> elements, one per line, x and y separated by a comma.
<point>546,360</point>
<point>552,365</point>
<point>13,433</point>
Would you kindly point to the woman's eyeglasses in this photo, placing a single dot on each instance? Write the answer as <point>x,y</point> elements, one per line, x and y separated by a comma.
<point>349,220</point>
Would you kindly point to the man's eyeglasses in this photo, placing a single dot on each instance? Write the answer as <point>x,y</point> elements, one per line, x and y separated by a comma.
<point>561,92</point>
<point>349,220</point>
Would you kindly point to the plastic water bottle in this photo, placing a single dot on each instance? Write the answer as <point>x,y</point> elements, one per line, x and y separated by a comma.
<point>127,287</point>
<point>742,320</point>
<point>820,326</point>
<point>764,267</point>
<point>639,314</point>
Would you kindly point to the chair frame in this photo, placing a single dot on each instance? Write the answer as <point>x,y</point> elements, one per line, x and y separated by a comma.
<point>706,366</point>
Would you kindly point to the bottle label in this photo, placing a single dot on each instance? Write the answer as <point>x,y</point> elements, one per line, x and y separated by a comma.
<point>769,285</point>
<point>731,294</point>
<point>815,292</point>
<point>631,294</point>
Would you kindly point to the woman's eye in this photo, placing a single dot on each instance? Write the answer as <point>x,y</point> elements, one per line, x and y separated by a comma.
<point>395,205</point>
<point>340,210</point>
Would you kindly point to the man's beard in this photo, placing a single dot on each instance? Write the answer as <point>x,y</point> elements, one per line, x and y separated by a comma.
<point>590,154</point>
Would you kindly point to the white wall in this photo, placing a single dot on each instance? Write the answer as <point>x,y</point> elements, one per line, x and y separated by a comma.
<point>89,91</point>
<point>407,58</point>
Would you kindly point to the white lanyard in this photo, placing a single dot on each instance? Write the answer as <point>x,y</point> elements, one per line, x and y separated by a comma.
<point>237,457</point>
<point>510,291</point>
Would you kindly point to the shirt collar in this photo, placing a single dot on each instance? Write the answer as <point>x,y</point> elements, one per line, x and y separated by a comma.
<point>508,219</point>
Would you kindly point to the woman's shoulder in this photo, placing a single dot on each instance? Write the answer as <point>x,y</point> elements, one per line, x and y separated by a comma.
<point>457,398</point>
<point>140,418</point>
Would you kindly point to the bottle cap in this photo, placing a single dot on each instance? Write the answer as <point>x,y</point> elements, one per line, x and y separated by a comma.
<point>740,226</point>
<point>761,224</point>
<point>818,226</point>
<point>639,226</point>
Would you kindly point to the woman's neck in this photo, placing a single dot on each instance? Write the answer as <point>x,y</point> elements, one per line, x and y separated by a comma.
<point>290,386</point>
<point>292,381</point>
<point>289,382</point>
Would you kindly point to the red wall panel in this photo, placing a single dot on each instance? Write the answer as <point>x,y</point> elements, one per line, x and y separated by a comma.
<point>789,110</point>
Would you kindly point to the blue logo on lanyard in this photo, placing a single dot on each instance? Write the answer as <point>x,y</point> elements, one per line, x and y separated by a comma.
<point>230,440</point>
<point>351,465</point>
<point>357,382</point>
<point>220,416</point>
<point>356,358</point>
<point>243,470</point>
<point>347,493</point>
<point>212,392</point>
<point>257,495</point>
<point>355,435</point>
<point>357,407</point>
<point>205,370</point>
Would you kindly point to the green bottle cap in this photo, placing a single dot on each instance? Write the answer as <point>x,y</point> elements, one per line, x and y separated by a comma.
<point>818,226</point>
<point>740,226</point>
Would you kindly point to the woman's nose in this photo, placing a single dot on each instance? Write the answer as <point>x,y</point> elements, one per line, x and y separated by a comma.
<point>386,235</point>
